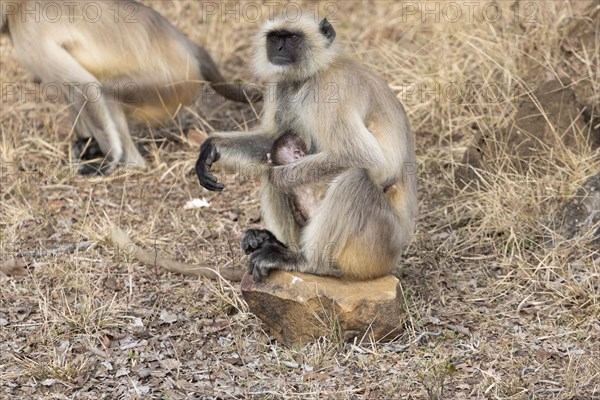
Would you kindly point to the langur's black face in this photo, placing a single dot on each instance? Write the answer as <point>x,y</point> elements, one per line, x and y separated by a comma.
<point>283,47</point>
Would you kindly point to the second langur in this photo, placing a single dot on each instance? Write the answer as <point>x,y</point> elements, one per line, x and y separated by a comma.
<point>143,67</point>
<point>359,145</point>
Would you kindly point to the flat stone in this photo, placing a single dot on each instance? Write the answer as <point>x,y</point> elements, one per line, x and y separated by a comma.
<point>299,308</point>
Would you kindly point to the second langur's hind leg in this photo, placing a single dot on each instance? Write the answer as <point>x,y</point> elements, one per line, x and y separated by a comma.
<point>94,114</point>
<point>92,119</point>
<point>104,121</point>
<point>85,148</point>
<point>131,156</point>
<point>86,151</point>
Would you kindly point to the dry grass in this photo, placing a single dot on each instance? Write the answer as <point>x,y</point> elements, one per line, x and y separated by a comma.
<point>516,306</point>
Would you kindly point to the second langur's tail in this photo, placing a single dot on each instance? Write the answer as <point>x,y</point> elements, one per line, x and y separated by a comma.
<point>242,93</point>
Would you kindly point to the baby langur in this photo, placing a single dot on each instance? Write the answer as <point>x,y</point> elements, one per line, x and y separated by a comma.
<point>360,148</point>
<point>113,60</point>
<point>287,149</point>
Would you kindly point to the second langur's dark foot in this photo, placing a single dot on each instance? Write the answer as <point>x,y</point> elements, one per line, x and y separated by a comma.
<point>89,168</point>
<point>86,153</point>
<point>86,149</point>
<point>90,160</point>
<point>254,239</point>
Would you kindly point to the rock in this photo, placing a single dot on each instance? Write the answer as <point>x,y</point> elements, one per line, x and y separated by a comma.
<point>299,308</point>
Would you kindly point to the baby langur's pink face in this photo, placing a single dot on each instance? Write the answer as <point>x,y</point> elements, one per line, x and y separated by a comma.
<point>288,154</point>
<point>286,149</point>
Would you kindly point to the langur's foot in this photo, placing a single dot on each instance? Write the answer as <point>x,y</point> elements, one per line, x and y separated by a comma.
<point>254,239</point>
<point>88,157</point>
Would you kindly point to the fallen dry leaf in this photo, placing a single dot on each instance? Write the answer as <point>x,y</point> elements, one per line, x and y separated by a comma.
<point>167,317</point>
<point>105,342</point>
<point>542,355</point>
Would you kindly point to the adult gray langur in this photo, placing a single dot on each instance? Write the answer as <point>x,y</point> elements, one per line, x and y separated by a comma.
<point>359,146</point>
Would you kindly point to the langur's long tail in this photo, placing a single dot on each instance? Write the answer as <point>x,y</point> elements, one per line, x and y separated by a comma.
<point>151,259</point>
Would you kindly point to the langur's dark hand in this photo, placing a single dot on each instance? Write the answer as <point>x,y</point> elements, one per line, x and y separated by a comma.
<point>208,155</point>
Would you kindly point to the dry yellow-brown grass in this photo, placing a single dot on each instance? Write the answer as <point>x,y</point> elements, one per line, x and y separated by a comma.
<point>503,306</point>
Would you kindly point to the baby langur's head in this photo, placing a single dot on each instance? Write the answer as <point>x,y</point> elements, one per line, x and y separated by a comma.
<point>286,149</point>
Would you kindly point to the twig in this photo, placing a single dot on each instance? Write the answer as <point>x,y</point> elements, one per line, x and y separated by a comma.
<point>68,249</point>
<point>403,347</point>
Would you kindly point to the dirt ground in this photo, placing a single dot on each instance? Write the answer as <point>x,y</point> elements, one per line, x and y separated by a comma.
<point>498,305</point>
